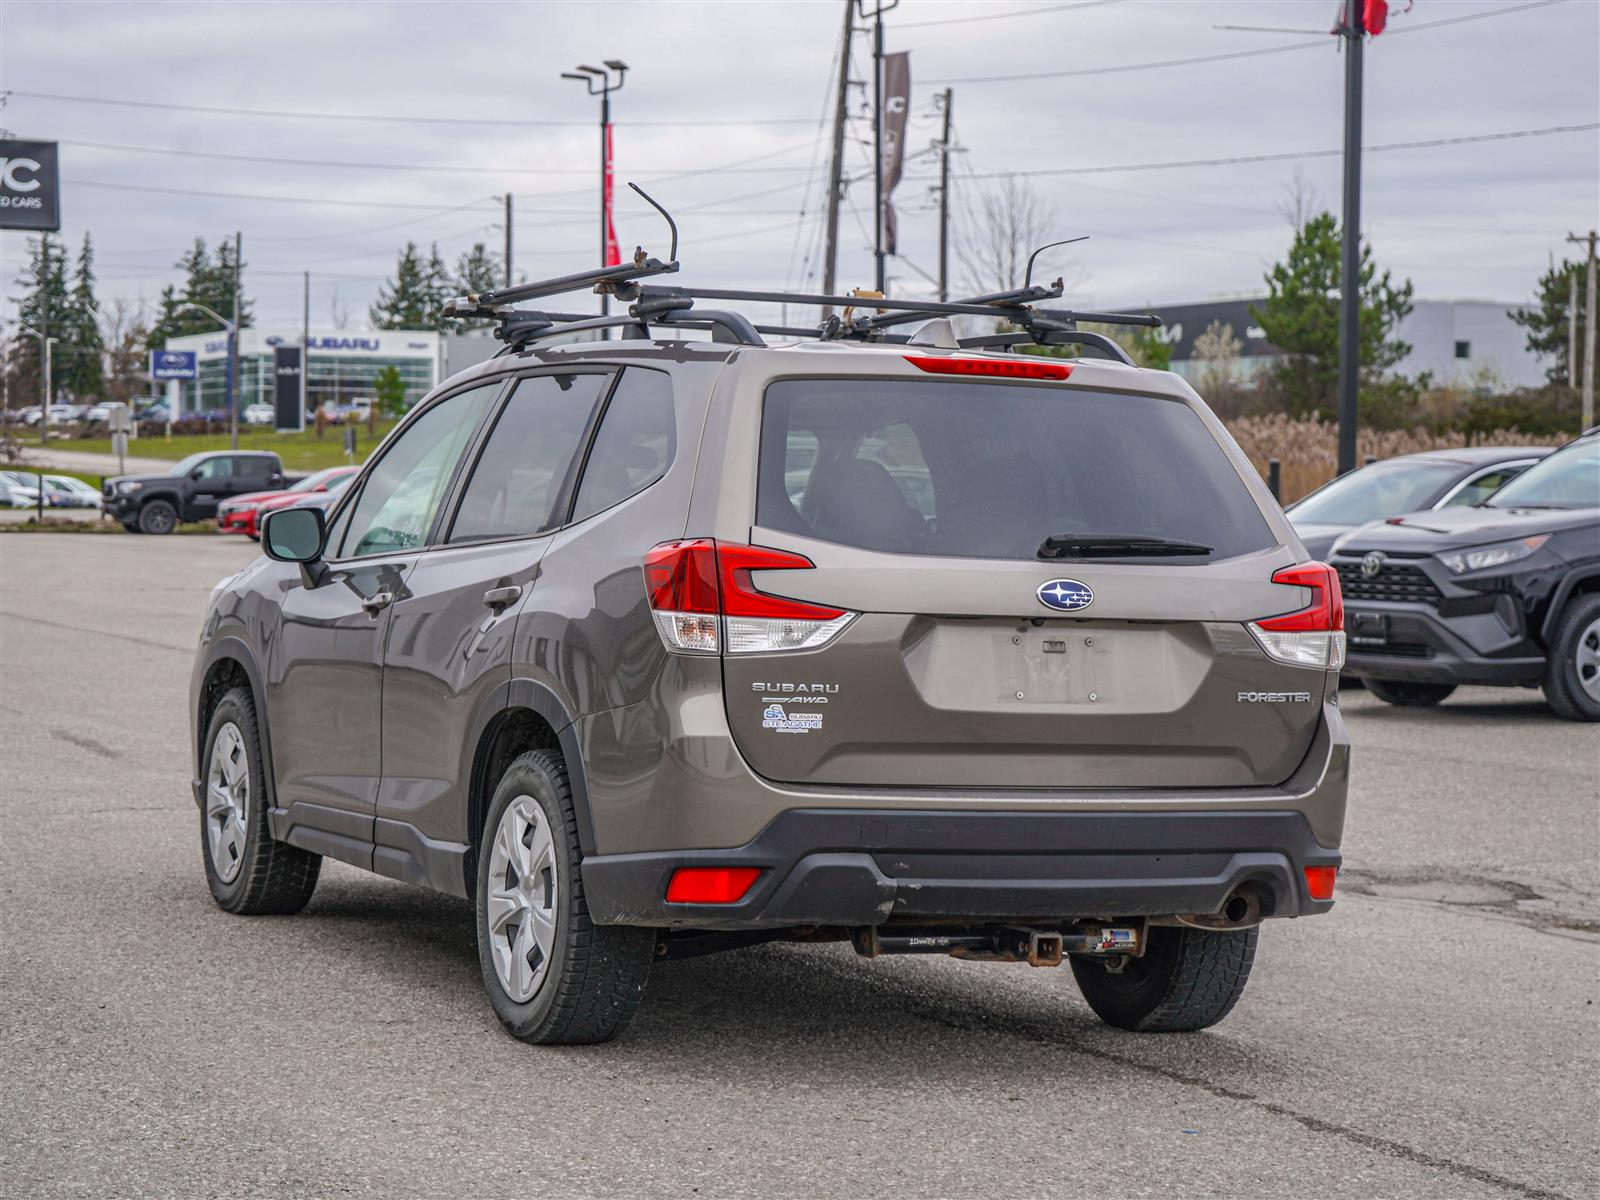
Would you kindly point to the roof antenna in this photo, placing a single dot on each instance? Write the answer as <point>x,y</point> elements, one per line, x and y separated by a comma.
<point>672,255</point>
<point>1027,279</point>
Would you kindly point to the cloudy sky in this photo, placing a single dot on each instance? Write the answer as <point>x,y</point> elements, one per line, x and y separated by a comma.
<point>357,126</point>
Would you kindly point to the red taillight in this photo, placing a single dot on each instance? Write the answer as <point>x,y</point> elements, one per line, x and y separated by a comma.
<point>1326,611</point>
<point>739,595</point>
<point>1004,368</point>
<point>710,885</point>
<point>1320,880</point>
<point>682,576</point>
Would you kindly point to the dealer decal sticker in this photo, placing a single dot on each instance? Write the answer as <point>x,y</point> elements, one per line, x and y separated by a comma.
<point>775,718</point>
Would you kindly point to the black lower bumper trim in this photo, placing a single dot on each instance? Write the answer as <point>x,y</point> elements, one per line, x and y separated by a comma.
<point>855,867</point>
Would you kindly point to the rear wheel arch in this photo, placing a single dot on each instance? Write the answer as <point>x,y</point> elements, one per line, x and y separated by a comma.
<point>532,718</point>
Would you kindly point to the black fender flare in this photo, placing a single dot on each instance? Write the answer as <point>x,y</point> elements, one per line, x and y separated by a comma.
<point>1563,593</point>
<point>231,645</point>
<point>541,699</point>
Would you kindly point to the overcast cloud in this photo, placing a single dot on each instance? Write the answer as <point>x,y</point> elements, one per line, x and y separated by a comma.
<point>719,83</point>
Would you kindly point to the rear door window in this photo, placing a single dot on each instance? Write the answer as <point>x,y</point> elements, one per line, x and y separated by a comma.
<point>990,470</point>
<point>525,466</point>
<point>634,445</point>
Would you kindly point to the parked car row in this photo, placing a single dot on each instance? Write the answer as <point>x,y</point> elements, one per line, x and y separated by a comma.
<point>243,514</point>
<point>20,489</point>
<point>1468,567</point>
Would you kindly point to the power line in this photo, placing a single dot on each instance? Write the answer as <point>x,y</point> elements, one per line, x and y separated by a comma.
<point>735,167</point>
<point>1159,64</point>
<point>1292,154</point>
<point>388,118</point>
<point>1019,12</point>
<point>139,187</point>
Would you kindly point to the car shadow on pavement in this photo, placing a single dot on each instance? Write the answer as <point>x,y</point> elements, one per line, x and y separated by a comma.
<point>786,1012</point>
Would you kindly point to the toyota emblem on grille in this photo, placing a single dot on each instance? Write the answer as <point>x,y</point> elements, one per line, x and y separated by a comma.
<point>1371,564</point>
<point>1066,595</point>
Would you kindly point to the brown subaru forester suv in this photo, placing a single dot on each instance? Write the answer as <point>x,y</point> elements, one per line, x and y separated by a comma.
<point>661,645</point>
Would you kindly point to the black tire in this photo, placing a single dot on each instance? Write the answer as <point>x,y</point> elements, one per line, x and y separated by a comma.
<point>1574,660</point>
<point>132,526</point>
<point>158,516</point>
<point>596,974</point>
<point>273,877</point>
<point>1188,979</point>
<point>1409,695</point>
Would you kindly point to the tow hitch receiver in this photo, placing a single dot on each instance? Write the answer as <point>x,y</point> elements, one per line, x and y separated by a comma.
<point>999,943</point>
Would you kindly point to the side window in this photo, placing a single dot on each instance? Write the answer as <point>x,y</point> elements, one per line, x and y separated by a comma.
<point>1484,486</point>
<point>400,498</point>
<point>634,445</point>
<point>253,466</point>
<point>220,467</point>
<point>525,462</point>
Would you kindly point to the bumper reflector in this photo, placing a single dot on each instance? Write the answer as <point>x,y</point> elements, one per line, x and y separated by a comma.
<point>1319,882</point>
<point>710,885</point>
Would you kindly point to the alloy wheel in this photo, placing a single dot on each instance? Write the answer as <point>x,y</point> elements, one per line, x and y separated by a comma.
<point>523,891</point>
<point>227,801</point>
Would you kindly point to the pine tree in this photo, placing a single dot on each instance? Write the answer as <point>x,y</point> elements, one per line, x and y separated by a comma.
<point>476,271</point>
<point>81,369</point>
<point>1549,322</point>
<point>441,288</point>
<point>206,280</point>
<point>26,360</point>
<point>1301,318</point>
<point>404,301</point>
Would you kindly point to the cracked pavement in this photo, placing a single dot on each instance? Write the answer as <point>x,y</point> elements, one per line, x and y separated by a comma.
<point>1436,1036</point>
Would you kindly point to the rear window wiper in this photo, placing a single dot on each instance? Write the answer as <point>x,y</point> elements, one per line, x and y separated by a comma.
<point>1110,545</point>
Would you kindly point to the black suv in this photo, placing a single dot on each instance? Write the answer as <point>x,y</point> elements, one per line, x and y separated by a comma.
<point>1506,593</point>
<point>190,490</point>
<point>652,647</point>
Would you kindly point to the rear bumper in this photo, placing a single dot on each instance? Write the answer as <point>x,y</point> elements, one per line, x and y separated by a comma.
<point>858,867</point>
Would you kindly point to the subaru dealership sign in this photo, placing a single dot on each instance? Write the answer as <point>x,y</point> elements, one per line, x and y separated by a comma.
<point>172,364</point>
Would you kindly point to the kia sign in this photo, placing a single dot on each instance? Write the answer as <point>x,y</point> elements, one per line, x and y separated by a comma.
<point>30,185</point>
<point>173,364</point>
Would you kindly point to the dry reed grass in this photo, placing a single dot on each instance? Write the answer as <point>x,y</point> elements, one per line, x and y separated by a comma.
<point>1308,448</point>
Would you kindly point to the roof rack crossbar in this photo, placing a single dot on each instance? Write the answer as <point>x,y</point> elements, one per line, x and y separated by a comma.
<point>1015,298</point>
<point>604,279</point>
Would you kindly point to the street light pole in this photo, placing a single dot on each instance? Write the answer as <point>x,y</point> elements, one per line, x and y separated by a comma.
<point>1354,32</point>
<point>233,345</point>
<point>600,83</point>
<point>46,359</point>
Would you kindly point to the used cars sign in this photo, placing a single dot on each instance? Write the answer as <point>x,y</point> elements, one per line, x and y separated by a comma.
<point>30,185</point>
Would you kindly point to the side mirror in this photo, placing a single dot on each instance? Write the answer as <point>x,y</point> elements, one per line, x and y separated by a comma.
<point>197,473</point>
<point>293,534</point>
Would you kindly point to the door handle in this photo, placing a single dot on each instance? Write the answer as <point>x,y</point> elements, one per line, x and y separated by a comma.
<point>502,597</point>
<point>377,602</point>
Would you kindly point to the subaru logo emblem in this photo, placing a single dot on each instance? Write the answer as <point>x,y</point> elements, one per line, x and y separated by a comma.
<point>1371,564</point>
<point>1064,595</point>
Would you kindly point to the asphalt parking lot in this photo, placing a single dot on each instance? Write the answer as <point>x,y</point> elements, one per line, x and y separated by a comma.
<point>1437,1035</point>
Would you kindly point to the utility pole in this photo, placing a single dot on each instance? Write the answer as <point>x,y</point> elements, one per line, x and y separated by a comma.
<point>1350,286</point>
<point>508,239</point>
<point>947,103</point>
<point>233,347</point>
<point>877,142</point>
<point>830,254</point>
<point>1588,330</point>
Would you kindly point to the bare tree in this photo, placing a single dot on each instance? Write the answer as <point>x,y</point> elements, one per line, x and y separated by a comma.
<point>1300,201</point>
<point>125,334</point>
<point>1217,352</point>
<point>338,313</point>
<point>994,241</point>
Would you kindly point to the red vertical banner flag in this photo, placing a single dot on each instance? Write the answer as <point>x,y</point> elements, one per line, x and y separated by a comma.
<point>613,251</point>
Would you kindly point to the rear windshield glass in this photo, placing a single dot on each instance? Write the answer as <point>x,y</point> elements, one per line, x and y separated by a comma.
<point>989,470</point>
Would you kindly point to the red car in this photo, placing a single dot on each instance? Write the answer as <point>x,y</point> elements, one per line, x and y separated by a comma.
<point>243,514</point>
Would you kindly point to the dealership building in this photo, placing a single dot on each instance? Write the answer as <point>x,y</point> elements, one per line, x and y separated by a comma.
<point>341,365</point>
<point>1456,341</point>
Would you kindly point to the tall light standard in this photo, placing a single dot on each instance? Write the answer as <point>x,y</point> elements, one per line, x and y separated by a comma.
<point>600,83</point>
<point>233,345</point>
<point>46,357</point>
